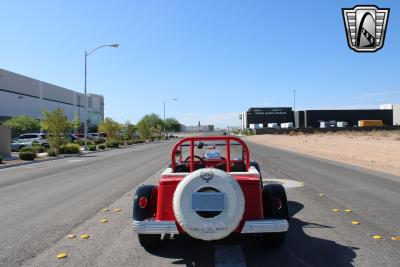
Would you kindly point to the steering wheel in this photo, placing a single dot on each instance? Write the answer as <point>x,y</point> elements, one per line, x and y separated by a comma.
<point>195,156</point>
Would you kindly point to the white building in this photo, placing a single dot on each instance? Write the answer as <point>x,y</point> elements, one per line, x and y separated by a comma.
<point>21,95</point>
<point>396,112</point>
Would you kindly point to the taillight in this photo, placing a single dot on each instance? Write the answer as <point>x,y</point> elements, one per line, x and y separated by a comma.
<point>278,203</point>
<point>143,202</point>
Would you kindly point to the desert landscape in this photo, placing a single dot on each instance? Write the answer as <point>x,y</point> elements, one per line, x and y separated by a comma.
<point>377,150</point>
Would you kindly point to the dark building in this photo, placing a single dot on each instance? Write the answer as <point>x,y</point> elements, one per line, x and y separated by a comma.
<point>312,118</point>
<point>267,115</point>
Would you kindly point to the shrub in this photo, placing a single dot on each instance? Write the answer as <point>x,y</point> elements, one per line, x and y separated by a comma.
<point>98,141</point>
<point>52,153</point>
<point>79,142</point>
<point>102,146</point>
<point>39,149</point>
<point>28,149</point>
<point>112,144</point>
<point>92,148</point>
<point>27,155</point>
<point>128,142</point>
<point>70,149</point>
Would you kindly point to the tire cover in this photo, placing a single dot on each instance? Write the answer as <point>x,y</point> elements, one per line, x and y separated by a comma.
<point>209,228</point>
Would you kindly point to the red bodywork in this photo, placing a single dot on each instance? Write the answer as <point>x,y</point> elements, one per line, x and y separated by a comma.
<point>248,181</point>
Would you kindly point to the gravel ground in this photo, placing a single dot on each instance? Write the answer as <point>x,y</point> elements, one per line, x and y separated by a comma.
<point>377,150</point>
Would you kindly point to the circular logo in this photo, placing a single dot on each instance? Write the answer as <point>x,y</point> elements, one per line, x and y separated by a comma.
<point>207,175</point>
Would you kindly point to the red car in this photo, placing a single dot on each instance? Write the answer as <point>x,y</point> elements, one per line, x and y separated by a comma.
<point>211,189</point>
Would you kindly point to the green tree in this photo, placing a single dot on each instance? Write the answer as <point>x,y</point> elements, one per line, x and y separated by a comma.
<point>172,125</point>
<point>76,122</point>
<point>22,124</point>
<point>57,126</point>
<point>128,130</point>
<point>110,127</point>
<point>149,126</point>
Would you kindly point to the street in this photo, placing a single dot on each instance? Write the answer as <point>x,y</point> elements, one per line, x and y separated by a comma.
<point>43,203</point>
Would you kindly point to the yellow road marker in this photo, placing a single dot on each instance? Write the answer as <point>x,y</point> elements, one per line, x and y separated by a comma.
<point>85,236</point>
<point>321,195</point>
<point>71,236</point>
<point>348,210</point>
<point>104,221</point>
<point>105,209</point>
<point>62,255</point>
<point>395,238</point>
<point>117,210</point>
<point>355,222</point>
<point>336,210</point>
<point>377,237</point>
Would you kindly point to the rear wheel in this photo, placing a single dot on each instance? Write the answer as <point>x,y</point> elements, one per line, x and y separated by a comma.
<point>143,210</point>
<point>275,206</point>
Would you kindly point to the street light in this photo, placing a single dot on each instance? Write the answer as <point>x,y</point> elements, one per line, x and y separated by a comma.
<point>173,99</point>
<point>85,129</point>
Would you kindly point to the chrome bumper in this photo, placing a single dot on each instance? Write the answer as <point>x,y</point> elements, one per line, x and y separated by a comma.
<point>155,227</point>
<point>265,226</point>
<point>250,227</point>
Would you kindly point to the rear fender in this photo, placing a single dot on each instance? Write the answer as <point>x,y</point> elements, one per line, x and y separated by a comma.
<point>150,193</point>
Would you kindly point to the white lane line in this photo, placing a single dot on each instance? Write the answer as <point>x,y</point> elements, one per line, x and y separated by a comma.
<point>285,182</point>
<point>74,160</point>
<point>229,256</point>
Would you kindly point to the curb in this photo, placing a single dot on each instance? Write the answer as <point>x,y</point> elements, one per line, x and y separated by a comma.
<point>10,165</point>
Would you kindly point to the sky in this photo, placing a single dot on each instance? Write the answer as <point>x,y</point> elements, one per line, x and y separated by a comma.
<point>217,57</point>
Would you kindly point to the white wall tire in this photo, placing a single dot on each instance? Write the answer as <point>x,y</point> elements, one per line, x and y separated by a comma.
<point>214,228</point>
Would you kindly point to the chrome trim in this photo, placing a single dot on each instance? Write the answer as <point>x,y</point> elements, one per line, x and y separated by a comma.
<point>265,226</point>
<point>155,227</point>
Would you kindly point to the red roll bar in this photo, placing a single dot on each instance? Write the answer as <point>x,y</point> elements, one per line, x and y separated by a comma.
<point>227,139</point>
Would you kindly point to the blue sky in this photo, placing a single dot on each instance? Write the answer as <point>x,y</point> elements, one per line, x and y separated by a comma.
<point>217,57</point>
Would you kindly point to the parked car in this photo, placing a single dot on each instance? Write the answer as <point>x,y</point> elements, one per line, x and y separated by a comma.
<point>74,137</point>
<point>26,140</point>
<point>97,136</point>
<point>211,197</point>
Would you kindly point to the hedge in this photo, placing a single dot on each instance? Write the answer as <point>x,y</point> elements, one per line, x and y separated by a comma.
<point>112,144</point>
<point>102,146</point>
<point>92,148</point>
<point>52,153</point>
<point>27,155</point>
<point>70,149</point>
<point>32,149</point>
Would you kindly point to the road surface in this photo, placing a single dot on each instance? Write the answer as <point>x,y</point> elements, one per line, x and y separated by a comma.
<point>42,203</point>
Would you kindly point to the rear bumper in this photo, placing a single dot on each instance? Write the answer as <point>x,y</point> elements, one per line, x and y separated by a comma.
<point>155,227</point>
<point>265,226</point>
<point>250,227</point>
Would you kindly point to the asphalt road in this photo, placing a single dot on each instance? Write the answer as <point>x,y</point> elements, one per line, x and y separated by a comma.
<point>42,203</point>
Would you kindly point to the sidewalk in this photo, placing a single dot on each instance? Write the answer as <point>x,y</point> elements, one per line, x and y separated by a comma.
<point>15,161</point>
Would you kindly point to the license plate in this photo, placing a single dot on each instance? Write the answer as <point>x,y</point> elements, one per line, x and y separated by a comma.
<point>208,201</point>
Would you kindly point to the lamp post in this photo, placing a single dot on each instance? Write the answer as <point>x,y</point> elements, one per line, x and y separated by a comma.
<point>85,129</point>
<point>173,99</point>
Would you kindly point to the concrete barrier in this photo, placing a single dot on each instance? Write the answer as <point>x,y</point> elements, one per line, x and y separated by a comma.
<point>5,141</point>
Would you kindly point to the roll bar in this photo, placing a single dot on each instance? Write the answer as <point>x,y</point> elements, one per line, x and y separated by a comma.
<point>227,139</point>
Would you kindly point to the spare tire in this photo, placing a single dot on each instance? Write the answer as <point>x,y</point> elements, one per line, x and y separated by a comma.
<point>217,226</point>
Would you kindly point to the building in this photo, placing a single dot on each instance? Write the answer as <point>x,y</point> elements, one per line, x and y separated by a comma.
<point>21,95</point>
<point>261,117</point>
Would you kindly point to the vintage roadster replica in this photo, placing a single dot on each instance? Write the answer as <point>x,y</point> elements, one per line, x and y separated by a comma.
<point>213,192</point>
